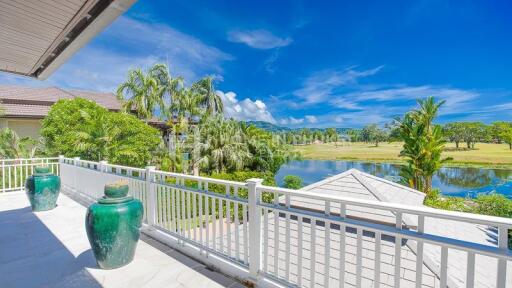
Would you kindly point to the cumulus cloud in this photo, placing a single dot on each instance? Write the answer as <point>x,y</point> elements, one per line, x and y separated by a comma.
<point>246,109</point>
<point>259,39</point>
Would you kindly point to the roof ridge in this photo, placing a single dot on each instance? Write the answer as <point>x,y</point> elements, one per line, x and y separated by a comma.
<point>358,175</point>
<point>398,185</point>
<point>65,91</point>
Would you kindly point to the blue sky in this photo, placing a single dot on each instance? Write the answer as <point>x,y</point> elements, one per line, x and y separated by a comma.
<point>314,63</point>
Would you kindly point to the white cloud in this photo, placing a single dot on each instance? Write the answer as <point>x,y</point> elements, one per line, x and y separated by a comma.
<point>338,119</point>
<point>291,121</point>
<point>102,66</point>
<point>311,119</point>
<point>456,99</point>
<point>322,85</point>
<point>259,39</point>
<point>246,109</point>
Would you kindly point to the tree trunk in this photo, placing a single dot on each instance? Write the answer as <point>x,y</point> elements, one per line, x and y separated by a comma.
<point>469,144</point>
<point>457,144</point>
<point>510,145</point>
<point>428,185</point>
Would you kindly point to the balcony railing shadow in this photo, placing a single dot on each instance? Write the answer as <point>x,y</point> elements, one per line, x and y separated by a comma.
<point>32,256</point>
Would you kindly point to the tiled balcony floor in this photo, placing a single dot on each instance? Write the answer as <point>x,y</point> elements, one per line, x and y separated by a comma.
<point>50,249</point>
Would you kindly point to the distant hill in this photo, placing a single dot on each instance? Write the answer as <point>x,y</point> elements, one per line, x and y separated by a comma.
<point>275,128</point>
<point>269,126</point>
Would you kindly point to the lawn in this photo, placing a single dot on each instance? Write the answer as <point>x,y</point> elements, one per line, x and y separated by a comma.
<point>484,154</point>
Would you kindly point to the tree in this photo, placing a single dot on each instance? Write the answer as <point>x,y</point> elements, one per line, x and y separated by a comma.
<point>81,128</point>
<point>209,98</point>
<point>423,145</point>
<point>222,146</point>
<point>12,146</point>
<point>292,182</point>
<point>454,132</point>
<point>505,134</point>
<point>472,133</point>
<point>372,133</point>
<point>331,135</point>
<point>145,92</point>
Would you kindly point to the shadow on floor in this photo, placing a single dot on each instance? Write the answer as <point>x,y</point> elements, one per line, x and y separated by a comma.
<point>31,256</point>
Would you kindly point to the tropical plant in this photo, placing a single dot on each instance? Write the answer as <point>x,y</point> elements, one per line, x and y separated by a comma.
<point>145,92</point>
<point>423,145</point>
<point>81,128</point>
<point>209,99</point>
<point>12,146</point>
<point>222,146</point>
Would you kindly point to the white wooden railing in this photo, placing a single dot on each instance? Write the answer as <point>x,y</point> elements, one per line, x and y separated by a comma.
<point>259,229</point>
<point>15,171</point>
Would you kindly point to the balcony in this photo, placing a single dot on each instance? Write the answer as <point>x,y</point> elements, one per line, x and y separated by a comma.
<point>267,236</point>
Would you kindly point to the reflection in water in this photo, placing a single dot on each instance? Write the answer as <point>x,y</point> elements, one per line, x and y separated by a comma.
<point>462,182</point>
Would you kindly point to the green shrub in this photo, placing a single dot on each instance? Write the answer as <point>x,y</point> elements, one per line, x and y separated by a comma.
<point>81,128</point>
<point>292,182</point>
<point>435,200</point>
<point>493,204</point>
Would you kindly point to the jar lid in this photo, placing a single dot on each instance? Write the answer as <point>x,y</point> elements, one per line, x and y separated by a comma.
<point>42,169</point>
<point>117,189</point>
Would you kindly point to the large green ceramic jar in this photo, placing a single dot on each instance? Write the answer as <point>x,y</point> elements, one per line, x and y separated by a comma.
<point>113,226</point>
<point>42,189</point>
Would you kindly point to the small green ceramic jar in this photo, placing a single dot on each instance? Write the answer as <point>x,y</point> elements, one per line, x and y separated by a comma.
<point>42,189</point>
<point>113,226</point>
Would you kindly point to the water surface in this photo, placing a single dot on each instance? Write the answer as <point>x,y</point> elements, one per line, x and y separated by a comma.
<point>452,181</point>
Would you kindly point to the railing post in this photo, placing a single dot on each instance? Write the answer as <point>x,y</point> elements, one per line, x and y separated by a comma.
<point>502,263</point>
<point>151,193</point>
<point>254,227</point>
<point>75,182</point>
<point>58,168</point>
<point>102,166</point>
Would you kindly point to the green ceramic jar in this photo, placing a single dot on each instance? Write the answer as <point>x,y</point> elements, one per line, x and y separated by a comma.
<point>42,189</point>
<point>113,226</point>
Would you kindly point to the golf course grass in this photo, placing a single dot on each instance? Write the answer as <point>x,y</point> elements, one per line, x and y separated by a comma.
<point>484,154</point>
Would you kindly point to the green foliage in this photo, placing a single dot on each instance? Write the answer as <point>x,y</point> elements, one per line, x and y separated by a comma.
<point>81,128</point>
<point>454,132</point>
<point>144,92</point>
<point>434,200</point>
<point>292,182</point>
<point>373,134</point>
<point>242,176</point>
<point>12,146</point>
<point>487,204</point>
<point>423,145</point>
<point>493,204</point>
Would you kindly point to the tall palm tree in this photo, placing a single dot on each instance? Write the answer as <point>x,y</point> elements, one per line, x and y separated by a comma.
<point>224,148</point>
<point>423,144</point>
<point>210,100</point>
<point>145,92</point>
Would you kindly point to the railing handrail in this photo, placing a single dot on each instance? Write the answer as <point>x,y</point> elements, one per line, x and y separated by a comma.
<point>396,207</point>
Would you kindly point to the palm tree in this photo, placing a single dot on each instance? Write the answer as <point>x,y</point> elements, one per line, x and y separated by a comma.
<point>186,104</point>
<point>145,92</point>
<point>209,97</point>
<point>423,145</point>
<point>224,148</point>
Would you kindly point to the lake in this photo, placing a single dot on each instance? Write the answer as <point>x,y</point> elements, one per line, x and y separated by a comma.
<point>452,181</point>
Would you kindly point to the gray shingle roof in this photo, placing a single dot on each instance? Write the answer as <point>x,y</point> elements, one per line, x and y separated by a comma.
<point>33,102</point>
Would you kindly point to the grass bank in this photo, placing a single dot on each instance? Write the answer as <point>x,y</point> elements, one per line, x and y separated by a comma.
<point>484,155</point>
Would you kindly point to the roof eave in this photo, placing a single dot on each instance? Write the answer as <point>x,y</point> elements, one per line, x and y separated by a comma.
<point>107,16</point>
